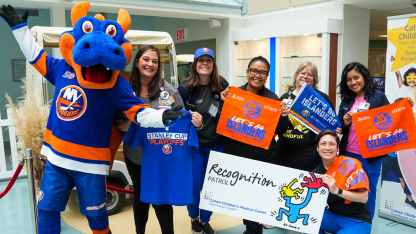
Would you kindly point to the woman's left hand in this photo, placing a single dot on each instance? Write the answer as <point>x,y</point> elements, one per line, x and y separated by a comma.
<point>284,111</point>
<point>411,101</point>
<point>330,181</point>
<point>196,119</point>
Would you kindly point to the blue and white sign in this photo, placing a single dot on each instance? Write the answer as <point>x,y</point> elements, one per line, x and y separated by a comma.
<point>313,111</point>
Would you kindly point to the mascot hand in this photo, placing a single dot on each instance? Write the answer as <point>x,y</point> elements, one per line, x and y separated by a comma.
<point>169,116</point>
<point>10,15</point>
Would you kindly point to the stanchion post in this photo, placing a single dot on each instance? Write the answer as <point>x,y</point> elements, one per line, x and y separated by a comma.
<point>32,189</point>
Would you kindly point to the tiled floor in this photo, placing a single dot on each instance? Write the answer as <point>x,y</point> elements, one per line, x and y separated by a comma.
<point>15,218</point>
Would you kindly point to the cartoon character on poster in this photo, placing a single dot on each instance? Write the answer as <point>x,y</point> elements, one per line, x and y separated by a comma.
<point>401,59</point>
<point>296,196</point>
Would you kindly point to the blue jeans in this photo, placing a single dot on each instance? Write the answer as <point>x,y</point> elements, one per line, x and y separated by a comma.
<point>373,172</point>
<point>333,223</point>
<point>199,166</point>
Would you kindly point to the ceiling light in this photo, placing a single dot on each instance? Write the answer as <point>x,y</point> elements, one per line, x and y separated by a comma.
<point>382,35</point>
<point>256,39</point>
<point>306,34</point>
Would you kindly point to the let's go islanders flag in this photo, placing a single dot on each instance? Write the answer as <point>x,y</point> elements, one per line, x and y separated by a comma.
<point>385,129</point>
<point>313,111</point>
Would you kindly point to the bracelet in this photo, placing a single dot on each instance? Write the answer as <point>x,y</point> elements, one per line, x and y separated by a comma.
<point>200,127</point>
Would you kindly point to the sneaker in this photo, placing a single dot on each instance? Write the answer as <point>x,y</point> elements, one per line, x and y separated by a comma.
<point>410,203</point>
<point>196,227</point>
<point>208,229</point>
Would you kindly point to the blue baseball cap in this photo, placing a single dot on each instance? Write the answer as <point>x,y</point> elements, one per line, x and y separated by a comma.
<point>201,51</point>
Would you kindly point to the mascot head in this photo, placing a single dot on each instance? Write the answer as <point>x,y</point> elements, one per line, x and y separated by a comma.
<point>96,48</point>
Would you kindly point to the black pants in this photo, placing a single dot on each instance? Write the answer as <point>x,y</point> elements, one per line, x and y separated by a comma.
<point>253,227</point>
<point>164,212</point>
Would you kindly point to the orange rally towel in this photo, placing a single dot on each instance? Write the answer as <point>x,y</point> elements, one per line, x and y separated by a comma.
<point>385,129</point>
<point>249,118</point>
<point>348,174</point>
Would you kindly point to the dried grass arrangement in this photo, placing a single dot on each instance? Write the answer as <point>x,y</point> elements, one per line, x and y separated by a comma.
<point>30,116</point>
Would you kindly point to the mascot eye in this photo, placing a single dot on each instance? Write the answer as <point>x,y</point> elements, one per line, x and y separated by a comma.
<point>111,30</point>
<point>87,27</point>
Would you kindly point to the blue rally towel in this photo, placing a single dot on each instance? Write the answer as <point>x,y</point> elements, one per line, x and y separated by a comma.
<point>313,111</point>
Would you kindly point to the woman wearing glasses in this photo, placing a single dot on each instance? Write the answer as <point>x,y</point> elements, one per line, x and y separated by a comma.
<point>296,146</point>
<point>201,95</point>
<point>257,74</point>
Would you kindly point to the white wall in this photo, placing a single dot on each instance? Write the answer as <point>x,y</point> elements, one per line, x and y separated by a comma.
<point>356,35</point>
<point>282,16</point>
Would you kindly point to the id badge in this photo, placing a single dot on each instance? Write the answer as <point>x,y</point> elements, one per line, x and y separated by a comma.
<point>363,106</point>
<point>213,110</point>
<point>167,101</point>
<point>288,102</point>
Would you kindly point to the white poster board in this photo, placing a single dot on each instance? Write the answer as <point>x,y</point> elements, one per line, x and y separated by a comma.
<point>263,192</point>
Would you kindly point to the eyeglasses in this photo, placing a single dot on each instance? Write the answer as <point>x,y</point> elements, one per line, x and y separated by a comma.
<point>254,72</point>
<point>306,74</point>
<point>410,78</point>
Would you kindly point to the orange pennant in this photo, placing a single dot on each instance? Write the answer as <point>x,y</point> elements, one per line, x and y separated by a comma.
<point>249,118</point>
<point>385,129</point>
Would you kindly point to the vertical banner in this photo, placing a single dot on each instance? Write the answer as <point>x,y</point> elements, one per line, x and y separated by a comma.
<point>397,199</point>
<point>264,192</point>
<point>249,118</point>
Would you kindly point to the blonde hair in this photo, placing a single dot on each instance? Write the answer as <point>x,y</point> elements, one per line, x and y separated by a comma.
<point>314,73</point>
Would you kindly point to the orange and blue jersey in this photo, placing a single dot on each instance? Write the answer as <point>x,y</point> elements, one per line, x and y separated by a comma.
<point>72,138</point>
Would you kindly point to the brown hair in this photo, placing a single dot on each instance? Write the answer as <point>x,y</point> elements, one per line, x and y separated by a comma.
<point>193,80</point>
<point>314,71</point>
<point>326,132</point>
<point>157,81</point>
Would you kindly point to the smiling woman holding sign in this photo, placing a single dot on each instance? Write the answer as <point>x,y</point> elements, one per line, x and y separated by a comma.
<point>296,147</point>
<point>347,210</point>
<point>257,74</point>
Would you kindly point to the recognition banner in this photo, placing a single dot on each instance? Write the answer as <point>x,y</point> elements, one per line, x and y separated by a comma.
<point>249,118</point>
<point>310,108</point>
<point>263,192</point>
<point>387,129</point>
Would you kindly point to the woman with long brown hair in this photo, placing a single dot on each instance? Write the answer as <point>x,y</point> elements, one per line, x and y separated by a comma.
<point>201,94</point>
<point>148,84</point>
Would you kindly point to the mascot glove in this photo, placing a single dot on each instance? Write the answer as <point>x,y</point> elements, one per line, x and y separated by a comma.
<point>170,116</point>
<point>10,15</point>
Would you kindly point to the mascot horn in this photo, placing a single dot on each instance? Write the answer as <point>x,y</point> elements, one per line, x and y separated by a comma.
<point>80,140</point>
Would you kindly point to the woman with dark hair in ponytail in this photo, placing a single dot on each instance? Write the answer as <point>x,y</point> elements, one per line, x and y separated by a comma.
<point>257,74</point>
<point>201,94</point>
<point>148,84</point>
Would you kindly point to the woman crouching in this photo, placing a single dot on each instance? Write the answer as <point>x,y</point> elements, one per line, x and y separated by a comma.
<point>341,216</point>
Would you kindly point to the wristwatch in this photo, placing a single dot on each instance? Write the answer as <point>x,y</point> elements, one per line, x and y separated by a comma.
<point>339,192</point>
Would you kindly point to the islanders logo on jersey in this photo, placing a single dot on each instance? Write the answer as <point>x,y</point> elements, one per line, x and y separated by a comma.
<point>40,195</point>
<point>346,166</point>
<point>167,149</point>
<point>252,109</point>
<point>71,103</point>
<point>382,121</point>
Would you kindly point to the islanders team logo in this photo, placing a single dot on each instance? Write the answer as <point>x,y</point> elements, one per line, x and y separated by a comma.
<point>40,195</point>
<point>346,166</point>
<point>167,149</point>
<point>205,50</point>
<point>252,110</point>
<point>305,113</point>
<point>71,103</point>
<point>383,121</point>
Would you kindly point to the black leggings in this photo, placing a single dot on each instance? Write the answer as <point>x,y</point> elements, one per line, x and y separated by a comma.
<point>163,212</point>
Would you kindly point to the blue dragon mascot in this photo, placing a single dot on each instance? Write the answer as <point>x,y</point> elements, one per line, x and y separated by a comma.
<point>79,136</point>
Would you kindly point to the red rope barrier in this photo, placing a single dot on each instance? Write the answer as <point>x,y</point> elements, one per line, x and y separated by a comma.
<point>120,190</point>
<point>11,183</point>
